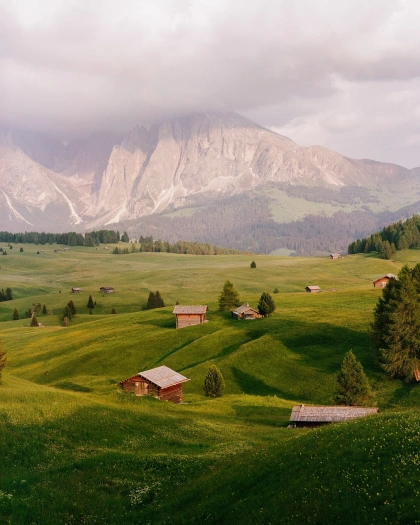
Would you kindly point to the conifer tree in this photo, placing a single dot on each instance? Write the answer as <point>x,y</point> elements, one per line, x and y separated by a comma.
<point>16,315</point>
<point>151,301</point>
<point>159,300</point>
<point>72,307</point>
<point>229,297</point>
<point>353,386</point>
<point>253,264</point>
<point>3,361</point>
<point>113,311</point>
<point>67,313</point>
<point>266,305</point>
<point>44,310</point>
<point>90,303</point>
<point>8,294</point>
<point>90,311</point>
<point>214,383</point>
<point>34,321</point>
<point>396,325</point>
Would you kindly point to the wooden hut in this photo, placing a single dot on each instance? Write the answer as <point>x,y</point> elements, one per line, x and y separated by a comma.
<point>336,256</point>
<point>76,290</point>
<point>106,289</point>
<point>313,289</point>
<point>245,312</point>
<point>190,315</point>
<point>310,416</point>
<point>381,282</point>
<point>161,382</point>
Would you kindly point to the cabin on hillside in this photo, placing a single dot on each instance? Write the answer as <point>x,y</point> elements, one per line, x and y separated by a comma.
<point>106,289</point>
<point>336,256</point>
<point>312,416</point>
<point>313,289</point>
<point>381,282</point>
<point>66,249</point>
<point>57,251</point>
<point>161,382</point>
<point>245,312</point>
<point>190,315</point>
<point>76,290</point>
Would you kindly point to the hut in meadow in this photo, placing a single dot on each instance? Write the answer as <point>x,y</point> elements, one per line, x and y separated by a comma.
<point>76,290</point>
<point>190,315</point>
<point>313,289</point>
<point>106,289</point>
<point>336,256</point>
<point>311,416</point>
<point>381,282</point>
<point>245,312</point>
<point>161,382</point>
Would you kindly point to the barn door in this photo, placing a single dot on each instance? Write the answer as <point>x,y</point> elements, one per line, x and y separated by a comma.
<point>142,388</point>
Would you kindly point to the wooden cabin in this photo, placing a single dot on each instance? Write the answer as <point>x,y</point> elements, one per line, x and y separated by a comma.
<point>381,282</point>
<point>190,315</point>
<point>161,382</point>
<point>313,289</point>
<point>76,290</point>
<point>310,416</point>
<point>245,312</point>
<point>66,249</point>
<point>336,256</point>
<point>106,289</point>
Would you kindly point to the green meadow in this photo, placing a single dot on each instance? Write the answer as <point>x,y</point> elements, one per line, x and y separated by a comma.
<point>75,449</point>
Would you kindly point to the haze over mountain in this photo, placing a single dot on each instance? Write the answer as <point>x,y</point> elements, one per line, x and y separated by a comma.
<point>187,161</point>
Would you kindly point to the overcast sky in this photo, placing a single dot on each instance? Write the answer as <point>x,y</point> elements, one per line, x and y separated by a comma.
<point>344,74</point>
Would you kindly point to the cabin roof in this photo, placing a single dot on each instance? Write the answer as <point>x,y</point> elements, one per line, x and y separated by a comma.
<point>244,308</point>
<point>193,309</point>
<point>387,276</point>
<point>163,376</point>
<point>329,414</point>
<point>106,288</point>
<point>313,287</point>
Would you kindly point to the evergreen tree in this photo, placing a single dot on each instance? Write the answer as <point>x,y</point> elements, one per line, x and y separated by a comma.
<point>90,311</point>
<point>151,301</point>
<point>124,237</point>
<point>8,294</point>
<point>16,316</point>
<point>44,310</point>
<point>229,297</point>
<point>70,304</point>
<point>266,305</point>
<point>352,384</point>
<point>21,249</point>
<point>67,313</point>
<point>113,311</point>
<point>396,325</point>
<point>253,264</point>
<point>90,303</point>
<point>28,314</point>
<point>34,321</point>
<point>159,300</point>
<point>276,290</point>
<point>3,361</point>
<point>214,383</point>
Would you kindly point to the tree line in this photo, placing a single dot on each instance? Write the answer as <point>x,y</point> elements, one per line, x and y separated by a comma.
<point>397,236</point>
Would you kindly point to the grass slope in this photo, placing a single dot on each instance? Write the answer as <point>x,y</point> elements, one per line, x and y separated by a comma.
<point>80,451</point>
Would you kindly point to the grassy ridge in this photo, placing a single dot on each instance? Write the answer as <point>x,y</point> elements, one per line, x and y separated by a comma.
<point>79,451</point>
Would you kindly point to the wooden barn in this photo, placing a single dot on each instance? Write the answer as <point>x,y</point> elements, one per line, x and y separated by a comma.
<point>381,282</point>
<point>311,416</point>
<point>336,256</point>
<point>313,289</point>
<point>161,382</point>
<point>190,315</point>
<point>245,312</point>
<point>106,289</point>
<point>76,290</point>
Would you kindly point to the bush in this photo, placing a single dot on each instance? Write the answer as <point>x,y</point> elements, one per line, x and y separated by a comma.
<point>276,290</point>
<point>16,316</point>
<point>214,383</point>
<point>253,264</point>
<point>34,321</point>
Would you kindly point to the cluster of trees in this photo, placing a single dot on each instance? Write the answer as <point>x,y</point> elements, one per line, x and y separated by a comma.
<point>147,244</point>
<point>229,299</point>
<point>93,238</point>
<point>155,300</point>
<point>6,295</point>
<point>68,313</point>
<point>397,236</point>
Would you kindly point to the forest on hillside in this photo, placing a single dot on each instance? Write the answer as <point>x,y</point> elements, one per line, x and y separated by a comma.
<point>244,222</point>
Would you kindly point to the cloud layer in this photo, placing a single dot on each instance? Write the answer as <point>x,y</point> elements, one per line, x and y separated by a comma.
<point>345,74</point>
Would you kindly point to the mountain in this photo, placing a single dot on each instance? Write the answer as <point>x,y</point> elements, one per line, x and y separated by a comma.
<point>191,162</point>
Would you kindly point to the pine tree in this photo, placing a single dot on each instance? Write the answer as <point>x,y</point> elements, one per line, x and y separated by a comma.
<point>113,311</point>
<point>214,383</point>
<point>8,294</point>
<point>229,297</point>
<point>67,313</point>
<point>16,316</point>
<point>21,249</point>
<point>276,290</point>
<point>44,310</point>
<point>3,361</point>
<point>34,321</point>
<point>352,384</point>
<point>151,301</point>
<point>253,264</point>
<point>159,300</point>
<point>396,325</point>
<point>70,304</point>
<point>90,311</point>
<point>266,305</point>
<point>90,303</point>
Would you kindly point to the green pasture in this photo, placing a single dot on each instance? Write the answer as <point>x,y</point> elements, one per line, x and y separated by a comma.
<point>77,450</point>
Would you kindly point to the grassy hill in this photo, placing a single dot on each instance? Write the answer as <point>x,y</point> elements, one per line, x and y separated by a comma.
<point>77,450</point>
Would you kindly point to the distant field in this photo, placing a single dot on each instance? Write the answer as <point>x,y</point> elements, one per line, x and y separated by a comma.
<point>79,451</point>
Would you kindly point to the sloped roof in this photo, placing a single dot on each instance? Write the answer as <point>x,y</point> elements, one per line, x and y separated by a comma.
<point>244,308</point>
<point>329,414</point>
<point>313,287</point>
<point>106,288</point>
<point>163,376</point>
<point>198,309</point>
<point>387,276</point>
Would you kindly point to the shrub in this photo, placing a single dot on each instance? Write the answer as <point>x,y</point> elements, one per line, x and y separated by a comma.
<point>214,383</point>
<point>253,264</point>
<point>16,316</point>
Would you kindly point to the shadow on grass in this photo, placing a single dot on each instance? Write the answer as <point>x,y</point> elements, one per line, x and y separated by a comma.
<point>252,385</point>
<point>68,385</point>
